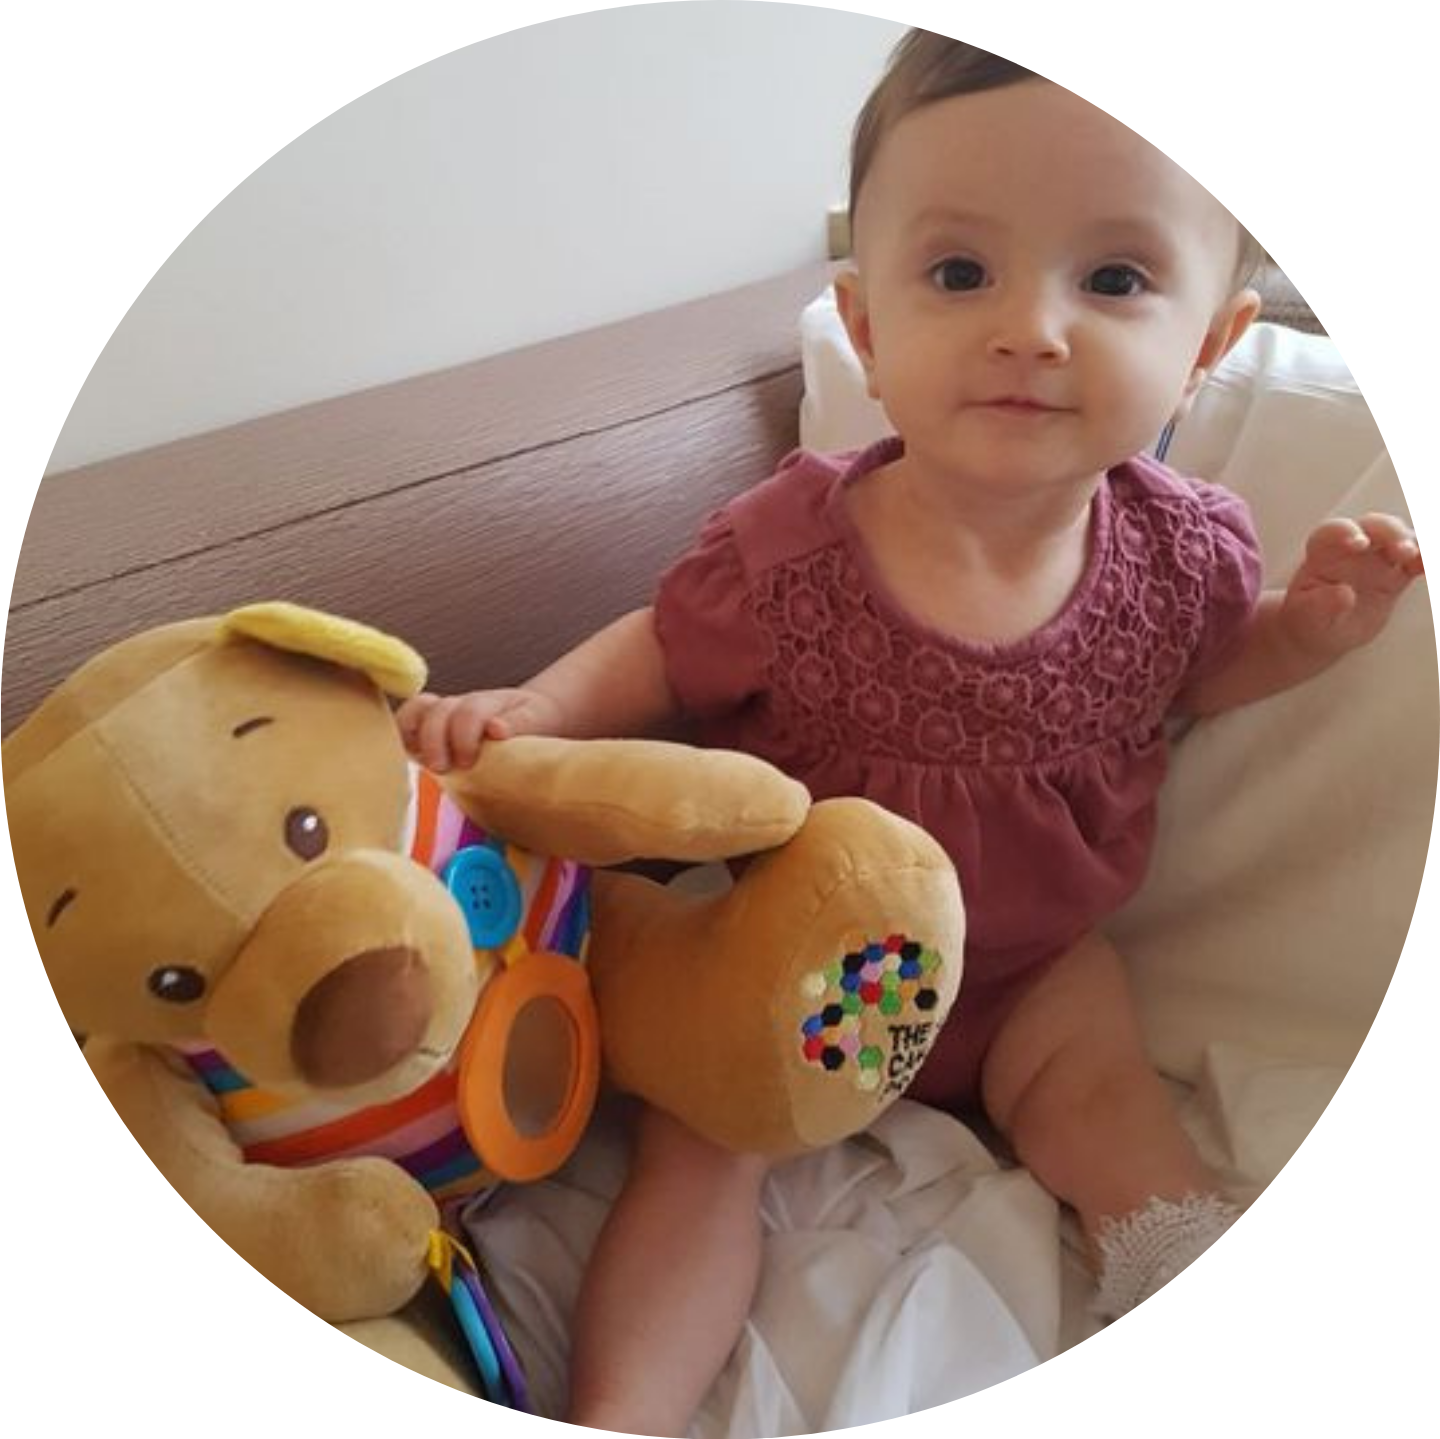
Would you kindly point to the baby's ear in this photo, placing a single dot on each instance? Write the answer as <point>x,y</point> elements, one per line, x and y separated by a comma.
<point>1231,321</point>
<point>855,316</point>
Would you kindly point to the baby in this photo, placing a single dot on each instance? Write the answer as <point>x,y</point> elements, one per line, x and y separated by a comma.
<point>982,623</point>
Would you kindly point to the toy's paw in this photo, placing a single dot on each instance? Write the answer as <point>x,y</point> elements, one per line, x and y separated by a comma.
<point>870,970</point>
<point>877,1006</point>
<point>871,965</point>
<point>357,1239</point>
<point>789,1012</point>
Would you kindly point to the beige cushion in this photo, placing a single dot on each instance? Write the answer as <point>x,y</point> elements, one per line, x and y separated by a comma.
<point>1293,833</point>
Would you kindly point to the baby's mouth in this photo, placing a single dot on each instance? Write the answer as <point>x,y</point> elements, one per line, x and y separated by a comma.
<point>1021,405</point>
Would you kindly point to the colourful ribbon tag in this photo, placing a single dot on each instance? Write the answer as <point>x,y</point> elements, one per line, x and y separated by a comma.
<point>501,1378</point>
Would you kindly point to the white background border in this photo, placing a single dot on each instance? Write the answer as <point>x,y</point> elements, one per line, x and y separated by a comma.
<point>125,124</point>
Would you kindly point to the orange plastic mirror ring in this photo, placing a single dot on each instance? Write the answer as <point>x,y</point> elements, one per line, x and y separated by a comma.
<point>504,1146</point>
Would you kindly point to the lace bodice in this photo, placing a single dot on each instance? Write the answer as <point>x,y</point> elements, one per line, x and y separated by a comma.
<point>782,639</point>
<point>843,663</point>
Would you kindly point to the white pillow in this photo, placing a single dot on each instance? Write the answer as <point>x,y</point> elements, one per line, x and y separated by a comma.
<point>835,412</point>
<point>1288,860</point>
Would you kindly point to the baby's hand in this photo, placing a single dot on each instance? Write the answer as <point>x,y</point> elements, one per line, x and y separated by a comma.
<point>1352,574</point>
<point>446,731</point>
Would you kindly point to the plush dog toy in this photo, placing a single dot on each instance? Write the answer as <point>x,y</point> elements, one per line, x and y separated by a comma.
<point>320,1041</point>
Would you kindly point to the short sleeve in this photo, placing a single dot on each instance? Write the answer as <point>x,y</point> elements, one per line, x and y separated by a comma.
<point>706,626</point>
<point>1236,575</point>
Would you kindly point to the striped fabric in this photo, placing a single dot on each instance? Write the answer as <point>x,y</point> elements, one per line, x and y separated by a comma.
<point>421,1131</point>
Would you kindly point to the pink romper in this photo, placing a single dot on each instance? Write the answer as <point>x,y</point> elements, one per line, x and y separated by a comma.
<point>1036,763</point>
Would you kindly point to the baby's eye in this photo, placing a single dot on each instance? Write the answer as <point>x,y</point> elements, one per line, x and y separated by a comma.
<point>1116,281</point>
<point>954,276</point>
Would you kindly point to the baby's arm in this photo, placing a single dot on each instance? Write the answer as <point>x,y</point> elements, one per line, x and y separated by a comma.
<point>1340,598</point>
<point>612,684</point>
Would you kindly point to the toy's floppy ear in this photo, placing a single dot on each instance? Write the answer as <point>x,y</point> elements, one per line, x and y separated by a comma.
<point>397,669</point>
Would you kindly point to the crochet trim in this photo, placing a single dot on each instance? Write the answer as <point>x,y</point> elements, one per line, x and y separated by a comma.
<point>1143,1251</point>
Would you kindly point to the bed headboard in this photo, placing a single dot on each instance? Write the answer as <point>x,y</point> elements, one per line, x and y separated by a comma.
<point>491,514</point>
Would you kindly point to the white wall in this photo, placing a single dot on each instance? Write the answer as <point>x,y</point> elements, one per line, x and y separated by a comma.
<point>540,182</point>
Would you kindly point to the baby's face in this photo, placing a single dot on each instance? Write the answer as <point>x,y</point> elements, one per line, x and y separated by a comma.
<point>1038,289</point>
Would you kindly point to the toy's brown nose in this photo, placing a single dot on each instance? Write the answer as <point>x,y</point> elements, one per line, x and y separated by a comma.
<point>366,1015</point>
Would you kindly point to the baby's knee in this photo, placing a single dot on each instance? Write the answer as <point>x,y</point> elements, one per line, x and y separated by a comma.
<point>666,1146</point>
<point>1073,1089</point>
<point>1069,1046</point>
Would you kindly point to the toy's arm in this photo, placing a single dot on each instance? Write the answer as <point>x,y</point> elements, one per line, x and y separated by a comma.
<point>608,801</point>
<point>347,1239</point>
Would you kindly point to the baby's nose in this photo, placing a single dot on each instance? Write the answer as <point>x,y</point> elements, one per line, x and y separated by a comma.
<point>1030,326</point>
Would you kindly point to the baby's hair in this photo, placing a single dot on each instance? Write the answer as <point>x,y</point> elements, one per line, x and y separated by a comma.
<point>922,68</point>
<point>925,67</point>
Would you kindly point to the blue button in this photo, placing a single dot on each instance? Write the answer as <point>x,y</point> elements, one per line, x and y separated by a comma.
<point>488,894</point>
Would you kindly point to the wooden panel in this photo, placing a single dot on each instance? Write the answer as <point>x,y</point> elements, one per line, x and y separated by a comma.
<point>490,570</point>
<point>195,496</point>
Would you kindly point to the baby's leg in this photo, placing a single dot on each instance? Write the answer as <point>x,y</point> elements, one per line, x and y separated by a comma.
<point>669,1285</point>
<point>1068,1082</point>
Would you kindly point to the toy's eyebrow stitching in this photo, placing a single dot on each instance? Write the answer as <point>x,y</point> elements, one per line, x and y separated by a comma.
<point>59,907</point>
<point>259,722</point>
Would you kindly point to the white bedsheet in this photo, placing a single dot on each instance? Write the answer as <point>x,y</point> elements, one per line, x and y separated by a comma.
<point>902,1270</point>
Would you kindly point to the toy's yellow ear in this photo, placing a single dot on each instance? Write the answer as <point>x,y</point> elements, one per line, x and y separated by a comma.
<point>389,662</point>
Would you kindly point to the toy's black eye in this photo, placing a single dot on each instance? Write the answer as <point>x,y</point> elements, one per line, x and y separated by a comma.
<point>176,984</point>
<point>305,833</point>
